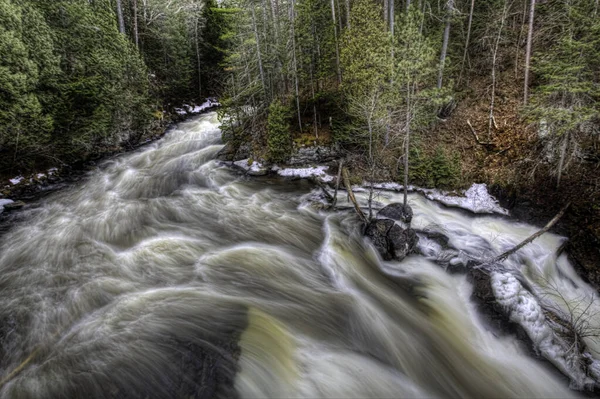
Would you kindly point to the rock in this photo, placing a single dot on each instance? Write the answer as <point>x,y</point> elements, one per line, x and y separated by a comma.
<point>397,211</point>
<point>12,206</point>
<point>231,152</point>
<point>312,155</point>
<point>438,237</point>
<point>377,231</point>
<point>258,171</point>
<point>392,241</point>
<point>401,241</point>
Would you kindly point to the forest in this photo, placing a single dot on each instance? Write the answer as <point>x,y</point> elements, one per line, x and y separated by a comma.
<point>504,92</point>
<point>82,78</point>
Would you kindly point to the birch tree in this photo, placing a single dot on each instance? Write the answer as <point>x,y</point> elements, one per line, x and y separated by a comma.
<point>528,52</point>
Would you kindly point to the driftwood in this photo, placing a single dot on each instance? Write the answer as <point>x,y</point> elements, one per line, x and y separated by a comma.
<point>359,212</point>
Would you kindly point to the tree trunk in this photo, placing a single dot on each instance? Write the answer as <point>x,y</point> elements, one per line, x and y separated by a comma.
<point>312,83</point>
<point>528,52</point>
<point>136,33</point>
<point>563,155</point>
<point>449,8</point>
<point>295,61</point>
<point>407,143</point>
<point>339,16</point>
<point>348,14</point>
<point>258,53</point>
<point>407,5</point>
<point>359,212</point>
<point>462,66</point>
<point>198,59</point>
<point>392,14</point>
<point>120,17</point>
<point>517,51</point>
<point>386,12</point>
<point>337,47</point>
<point>494,59</point>
<point>548,226</point>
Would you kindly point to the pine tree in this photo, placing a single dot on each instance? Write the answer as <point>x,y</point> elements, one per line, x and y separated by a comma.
<point>567,98</point>
<point>365,61</point>
<point>414,75</point>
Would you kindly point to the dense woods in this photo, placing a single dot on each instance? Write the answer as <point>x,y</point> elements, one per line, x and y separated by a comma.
<point>370,74</point>
<point>79,78</point>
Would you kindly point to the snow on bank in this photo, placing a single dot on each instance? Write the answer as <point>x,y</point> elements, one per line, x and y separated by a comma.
<point>303,173</point>
<point>16,180</point>
<point>4,202</point>
<point>523,308</point>
<point>256,168</point>
<point>476,199</point>
<point>189,110</point>
<point>249,167</point>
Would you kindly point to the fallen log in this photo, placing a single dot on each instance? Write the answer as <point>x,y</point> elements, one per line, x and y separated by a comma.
<point>485,144</point>
<point>503,256</point>
<point>532,237</point>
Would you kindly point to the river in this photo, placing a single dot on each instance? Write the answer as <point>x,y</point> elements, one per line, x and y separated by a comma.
<point>166,274</point>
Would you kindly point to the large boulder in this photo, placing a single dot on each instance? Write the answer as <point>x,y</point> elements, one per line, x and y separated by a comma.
<point>391,240</point>
<point>377,231</point>
<point>397,211</point>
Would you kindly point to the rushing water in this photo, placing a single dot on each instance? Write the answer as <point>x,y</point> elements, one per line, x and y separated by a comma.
<point>166,274</point>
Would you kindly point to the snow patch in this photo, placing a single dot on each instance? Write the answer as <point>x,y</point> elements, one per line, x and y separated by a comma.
<point>317,171</point>
<point>192,110</point>
<point>391,186</point>
<point>4,202</point>
<point>249,167</point>
<point>16,180</point>
<point>476,199</point>
<point>40,175</point>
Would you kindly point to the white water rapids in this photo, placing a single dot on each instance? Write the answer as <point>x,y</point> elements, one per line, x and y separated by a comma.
<point>166,274</point>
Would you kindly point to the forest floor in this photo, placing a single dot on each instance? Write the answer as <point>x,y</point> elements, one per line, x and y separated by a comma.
<point>513,161</point>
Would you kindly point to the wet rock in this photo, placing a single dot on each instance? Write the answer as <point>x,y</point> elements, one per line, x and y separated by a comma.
<point>13,206</point>
<point>377,231</point>
<point>391,241</point>
<point>397,211</point>
<point>233,152</point>
<point>438,237</point>
<point>258,171</point>
<point>401,241</point>
<point>312,155</point>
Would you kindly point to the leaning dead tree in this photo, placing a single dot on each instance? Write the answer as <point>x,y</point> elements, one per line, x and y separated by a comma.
<point>502,257</point>
<point>359,211</point>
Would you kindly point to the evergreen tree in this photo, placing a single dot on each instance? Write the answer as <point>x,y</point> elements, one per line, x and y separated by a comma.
<point>25,63</point>
<point>365,61</point>
<point>567,97</point>
<point>279,140</point>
